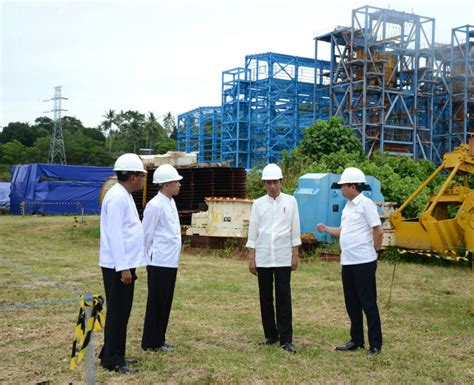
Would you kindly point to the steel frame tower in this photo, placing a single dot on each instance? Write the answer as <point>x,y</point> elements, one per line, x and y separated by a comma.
<point>462,85</point>
<point>235,134</point>
<point>381,80</point>
<point>441,102</point>
<point>281,102</point>
<point>57,152</point>
<point>266,105</point>
<point>199,130</point>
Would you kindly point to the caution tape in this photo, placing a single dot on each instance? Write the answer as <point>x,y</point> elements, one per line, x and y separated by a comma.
<point>449,255</point>
<point>83,331</point>
<point>40,202</point>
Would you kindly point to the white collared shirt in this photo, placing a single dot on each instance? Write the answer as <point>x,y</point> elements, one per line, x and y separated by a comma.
<point>162,232</point>
<point>121,232</point>
<point>274,229</point>
<point>359,216</point>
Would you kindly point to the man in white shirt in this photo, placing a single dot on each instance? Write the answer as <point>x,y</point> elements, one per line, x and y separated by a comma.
<point>121,252</point>
<point>273,242</point>
<point>162,249</point>
<point>360,237</point>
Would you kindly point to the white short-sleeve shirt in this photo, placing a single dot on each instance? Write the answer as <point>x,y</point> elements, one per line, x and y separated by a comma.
<point>359,216</point>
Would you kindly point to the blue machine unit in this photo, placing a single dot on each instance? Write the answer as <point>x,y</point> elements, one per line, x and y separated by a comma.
<point>320,200</point>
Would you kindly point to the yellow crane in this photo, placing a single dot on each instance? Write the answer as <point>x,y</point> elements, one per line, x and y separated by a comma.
<point>446,226</point>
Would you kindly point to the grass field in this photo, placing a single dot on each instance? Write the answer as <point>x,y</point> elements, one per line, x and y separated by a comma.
<point>215,320</point>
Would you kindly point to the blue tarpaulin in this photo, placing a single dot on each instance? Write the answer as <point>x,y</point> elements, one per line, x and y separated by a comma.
<point>5,194</point>
<point>56,189</point>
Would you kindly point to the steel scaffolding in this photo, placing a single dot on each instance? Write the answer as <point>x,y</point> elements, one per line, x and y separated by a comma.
<point>388,80</point>
<point>281,97</point>
<point>462,85</point>
<point>381,80</point>
<point>441,101</point>
<point>266,105</point>
<point>235,134</point>
<point>199,130</point>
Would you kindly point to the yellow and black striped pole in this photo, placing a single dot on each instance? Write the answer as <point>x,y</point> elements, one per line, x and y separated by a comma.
<point>91,319</point>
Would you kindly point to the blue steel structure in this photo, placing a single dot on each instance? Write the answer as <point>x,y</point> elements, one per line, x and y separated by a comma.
<point>281,102</point>
<point>236,130</point>
<point>381,80</point>
<point>441,101</point>
<point>199,130</point>
<point>401,92</point>
<point>462,85</point>
<point>266,105</point>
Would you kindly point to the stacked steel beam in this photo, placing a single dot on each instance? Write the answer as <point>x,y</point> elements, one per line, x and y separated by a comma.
<point>199,182</point>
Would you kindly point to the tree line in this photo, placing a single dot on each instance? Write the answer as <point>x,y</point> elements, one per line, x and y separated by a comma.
<point>117,133</point>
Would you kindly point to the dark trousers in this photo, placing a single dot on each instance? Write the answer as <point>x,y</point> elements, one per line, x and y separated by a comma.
<point>119,300</point>
<point>282,328</point>
<point>161,283</point>
<point>360,294</point>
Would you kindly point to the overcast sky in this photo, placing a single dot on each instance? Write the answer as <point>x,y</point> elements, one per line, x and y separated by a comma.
<point>162,55</point>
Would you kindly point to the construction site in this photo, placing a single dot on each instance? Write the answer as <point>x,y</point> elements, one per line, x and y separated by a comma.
<point>383,74</point>
<point>384,77</point>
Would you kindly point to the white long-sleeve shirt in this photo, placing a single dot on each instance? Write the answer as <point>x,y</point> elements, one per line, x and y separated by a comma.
<point>274,229</point>
<point>162,232</point>
<point>121,232</point>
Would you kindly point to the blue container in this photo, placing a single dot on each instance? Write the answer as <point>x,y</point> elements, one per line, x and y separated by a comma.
<point>320,200</point>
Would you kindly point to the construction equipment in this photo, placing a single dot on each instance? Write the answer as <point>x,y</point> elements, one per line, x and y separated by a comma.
<point>446,226</point>
<point>320,200</point>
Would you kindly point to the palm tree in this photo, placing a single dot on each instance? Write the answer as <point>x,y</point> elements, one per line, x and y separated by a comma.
<point>169,122</point>
<point>152,128</point>
<point>132,125</point>
<point>110,118</point>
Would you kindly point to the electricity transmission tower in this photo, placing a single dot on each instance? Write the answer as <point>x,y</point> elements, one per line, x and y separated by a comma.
<point>57,153</point>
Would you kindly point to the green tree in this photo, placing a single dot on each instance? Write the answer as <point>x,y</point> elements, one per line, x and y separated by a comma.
<point>153,129</point>
<point>39,152</point>
<point>13,152</point>
<point>164,144</point>
<point>132,124</point>
<point>110,118</point>
<point>169,123</point>
<point>22,132</point>
<point>326,137</point>
<point>94,133</point>
<point>84,150</point>
<point>42,127</point>
<point>71,123</point>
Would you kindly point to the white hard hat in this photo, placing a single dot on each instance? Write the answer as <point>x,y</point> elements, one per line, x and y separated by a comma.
<point>129,162</point>
<point>352,175</point>
<point>272,172</point>
<point>166,173</point>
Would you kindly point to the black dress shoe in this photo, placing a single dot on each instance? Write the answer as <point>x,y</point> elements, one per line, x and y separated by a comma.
<point>288,346</point>
<point>373,352</point>
<point>163,348</point>
<point>269,341</point>
<point>125,369</point>
<point>131,361</point>
<point>348,346</point>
